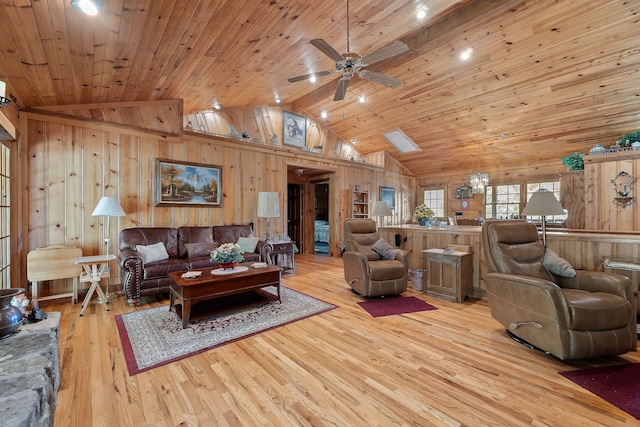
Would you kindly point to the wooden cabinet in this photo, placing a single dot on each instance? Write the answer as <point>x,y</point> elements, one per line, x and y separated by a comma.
<point>449,276</point>
<point>359,204</point>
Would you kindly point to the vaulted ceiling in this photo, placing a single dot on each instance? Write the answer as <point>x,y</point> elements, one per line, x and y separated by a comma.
<point>545,78</point>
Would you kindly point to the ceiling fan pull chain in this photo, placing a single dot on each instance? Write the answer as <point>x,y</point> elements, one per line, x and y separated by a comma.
<point>348,26</point>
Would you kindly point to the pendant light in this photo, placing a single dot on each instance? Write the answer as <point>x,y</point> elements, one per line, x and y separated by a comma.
<point>478,181</point>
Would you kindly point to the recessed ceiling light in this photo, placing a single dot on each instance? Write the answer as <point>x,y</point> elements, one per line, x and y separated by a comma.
<point>362,98</point>
<point>466,54</point>
<point>422,12</point>
<point>354,141</point>
<point>90,7</point>
<point>313,79</point>
<point>278,100</point>
<point>324,114</point>
<point>217,106</point>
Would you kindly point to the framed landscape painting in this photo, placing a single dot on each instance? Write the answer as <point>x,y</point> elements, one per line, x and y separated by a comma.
<point>388,194</point>
<point>187,184</point>
<point>294,129</point>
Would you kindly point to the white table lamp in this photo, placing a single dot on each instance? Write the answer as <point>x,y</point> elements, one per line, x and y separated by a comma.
<point>380,209</point>
<point>543,203</point>
<point>268,207</point>
<point>108,207</point>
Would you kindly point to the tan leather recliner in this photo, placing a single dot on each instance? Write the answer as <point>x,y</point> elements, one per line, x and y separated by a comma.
<point>364,269</point>
<point>590,315</point>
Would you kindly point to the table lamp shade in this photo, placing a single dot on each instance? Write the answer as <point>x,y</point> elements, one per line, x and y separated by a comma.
<point>381,208</point>
<point>108,206</point>
<point>543,203</point>
<point>268,204</point>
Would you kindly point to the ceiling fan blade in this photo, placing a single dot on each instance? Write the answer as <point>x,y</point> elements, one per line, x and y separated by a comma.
<point>388,51</point>
<point>341,90</point>
<point>388,81</point>
<point>308,76</point>
<point>327,49</point>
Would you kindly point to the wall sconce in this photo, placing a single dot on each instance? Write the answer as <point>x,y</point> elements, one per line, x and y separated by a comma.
<point>3,101</point>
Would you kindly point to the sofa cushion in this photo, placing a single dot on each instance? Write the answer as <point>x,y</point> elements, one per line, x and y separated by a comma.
<point>198,234</point>
<point>197,250</point>
<point>163,268</point>
<point>386,270</point>
<point>596,311</point>
<point>200,262</point>
<point>131,237</point>
<point>152,253</point>
<point>248,244</point>
<point>231,233</point>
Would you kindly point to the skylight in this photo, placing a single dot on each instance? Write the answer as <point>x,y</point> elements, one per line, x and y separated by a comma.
<point>401,141</point>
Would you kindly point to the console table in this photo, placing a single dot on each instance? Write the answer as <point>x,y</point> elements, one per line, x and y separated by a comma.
<point>271,251</point>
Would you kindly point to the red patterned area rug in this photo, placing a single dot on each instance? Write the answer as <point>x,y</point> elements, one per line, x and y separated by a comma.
<point>154,336</point>
<point>395,305</point>
<point>618,385</point>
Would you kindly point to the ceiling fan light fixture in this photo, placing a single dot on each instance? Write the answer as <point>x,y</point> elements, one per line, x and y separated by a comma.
<point>90,7</point>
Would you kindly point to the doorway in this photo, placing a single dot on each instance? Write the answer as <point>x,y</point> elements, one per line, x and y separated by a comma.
<point>321,219</point>
<point>294,214</point>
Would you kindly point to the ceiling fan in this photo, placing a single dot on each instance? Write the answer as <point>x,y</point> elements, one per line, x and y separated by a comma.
<point>350,64</point>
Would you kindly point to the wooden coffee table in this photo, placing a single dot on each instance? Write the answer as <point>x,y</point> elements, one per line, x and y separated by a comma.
<point>209,286</point>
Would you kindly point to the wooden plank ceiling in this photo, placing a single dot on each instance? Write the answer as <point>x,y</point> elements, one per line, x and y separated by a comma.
<point>553,76</point>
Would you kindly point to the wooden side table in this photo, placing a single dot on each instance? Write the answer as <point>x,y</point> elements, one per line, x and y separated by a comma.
<point>271,251</point>
<point>449,276</point>
<point>94,268</point>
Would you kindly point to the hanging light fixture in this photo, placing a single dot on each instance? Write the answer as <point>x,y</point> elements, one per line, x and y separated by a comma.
<point>478,181</point>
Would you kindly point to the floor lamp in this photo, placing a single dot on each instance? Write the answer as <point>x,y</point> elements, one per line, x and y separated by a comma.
<point>543,203</point>
<point>108,207</point>
<point>268,207</point>
<point>381,209</point>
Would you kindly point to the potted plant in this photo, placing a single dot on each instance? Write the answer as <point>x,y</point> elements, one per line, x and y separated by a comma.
<point>628,139</point>
<point>423,215</point>
<point>228,255</point>
<point>574,161</point>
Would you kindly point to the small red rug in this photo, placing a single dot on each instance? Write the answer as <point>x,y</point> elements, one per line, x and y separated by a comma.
<point>395,305</point>
<point>618,385</point>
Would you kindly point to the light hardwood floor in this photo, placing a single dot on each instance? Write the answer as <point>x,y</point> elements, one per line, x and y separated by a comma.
<point>452,366</point>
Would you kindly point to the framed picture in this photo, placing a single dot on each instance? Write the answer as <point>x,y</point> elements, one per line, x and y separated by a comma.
<point>294,129</point>
<point>187,184</point>
<point>388,194</point>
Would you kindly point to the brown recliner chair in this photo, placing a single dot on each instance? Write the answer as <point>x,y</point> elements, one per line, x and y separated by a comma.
<point>365,269</point>
<point>589,315</point>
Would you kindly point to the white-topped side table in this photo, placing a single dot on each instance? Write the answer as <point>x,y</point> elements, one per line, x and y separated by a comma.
<point>94,268</point>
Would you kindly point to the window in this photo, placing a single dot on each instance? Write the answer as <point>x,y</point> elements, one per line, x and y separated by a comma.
<point>434,199</point>
<point>5,241</point>
<point>553,186</point>
<point>502,201</point>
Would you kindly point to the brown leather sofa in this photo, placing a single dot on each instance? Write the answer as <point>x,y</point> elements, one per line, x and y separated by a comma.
<point>365,270</point>
<point>140,279</point>
<point>590,315</point>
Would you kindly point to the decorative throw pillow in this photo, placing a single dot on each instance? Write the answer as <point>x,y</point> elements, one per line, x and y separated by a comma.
<point>248,244</point>
<point>196,250</point>
<point>152,253</point>
<point>385,250</point>
<point>557,265</point>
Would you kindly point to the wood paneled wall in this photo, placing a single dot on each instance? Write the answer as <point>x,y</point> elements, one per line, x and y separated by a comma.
<point>600,211</point>
<point>72,161</point>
